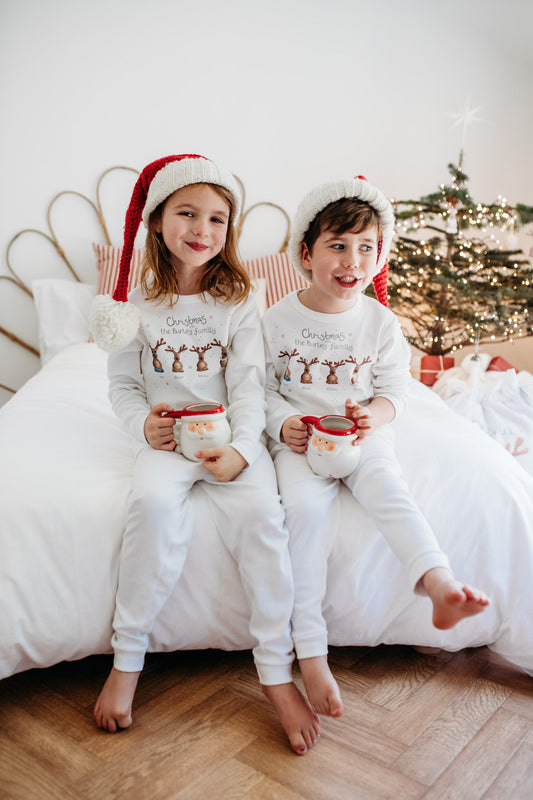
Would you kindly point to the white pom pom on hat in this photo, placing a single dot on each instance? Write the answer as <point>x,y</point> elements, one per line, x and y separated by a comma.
<point>316,201</point>
<point>113,321</point>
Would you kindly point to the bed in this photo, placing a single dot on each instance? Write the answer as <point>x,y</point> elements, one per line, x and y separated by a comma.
<point>65,472</point>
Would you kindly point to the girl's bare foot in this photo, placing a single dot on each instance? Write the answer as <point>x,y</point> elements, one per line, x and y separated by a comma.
<point>321,687</point>
<point>297,718</point>
<point>452,600</point>
<point>113,707</point>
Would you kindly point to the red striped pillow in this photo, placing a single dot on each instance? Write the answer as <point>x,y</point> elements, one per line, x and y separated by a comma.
<point>281,277</point>
<point>107,262</point>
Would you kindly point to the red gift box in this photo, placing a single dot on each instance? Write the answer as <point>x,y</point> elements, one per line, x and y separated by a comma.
<point>499,364</point>
<point>431,367</point>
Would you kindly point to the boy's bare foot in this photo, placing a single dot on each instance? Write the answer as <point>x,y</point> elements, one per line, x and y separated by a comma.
<point>321,687</point>
<point>297,718</point>
<point>452,600</point>
<point>113,707</point>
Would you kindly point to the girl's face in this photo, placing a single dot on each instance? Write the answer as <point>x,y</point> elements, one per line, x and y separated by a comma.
<point>193,223</point>
<point>341,267</point>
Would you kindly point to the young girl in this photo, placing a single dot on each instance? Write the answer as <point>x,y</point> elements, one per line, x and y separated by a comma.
<point>191,333</point>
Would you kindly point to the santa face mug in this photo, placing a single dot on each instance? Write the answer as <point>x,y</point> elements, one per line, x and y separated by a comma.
<point>202,425</point>
<point>330,449</point>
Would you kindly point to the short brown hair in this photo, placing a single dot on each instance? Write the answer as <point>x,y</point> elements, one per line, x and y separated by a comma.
<point>224,276</point>
<point>346,214</point>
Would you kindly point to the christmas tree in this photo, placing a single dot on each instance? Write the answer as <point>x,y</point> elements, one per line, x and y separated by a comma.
<point>455,273</point>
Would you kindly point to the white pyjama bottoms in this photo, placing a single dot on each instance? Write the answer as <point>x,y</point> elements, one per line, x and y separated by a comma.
<point>379,486</point>
<point>250,520</point>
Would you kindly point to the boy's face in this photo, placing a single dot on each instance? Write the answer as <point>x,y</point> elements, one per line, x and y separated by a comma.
<point>341,267</point>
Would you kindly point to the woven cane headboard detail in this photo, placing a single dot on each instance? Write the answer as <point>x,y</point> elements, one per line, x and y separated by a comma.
<point>50,236</point>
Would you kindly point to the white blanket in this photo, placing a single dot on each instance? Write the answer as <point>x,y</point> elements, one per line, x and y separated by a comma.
<point>500,403</point>
<point>65,470</point>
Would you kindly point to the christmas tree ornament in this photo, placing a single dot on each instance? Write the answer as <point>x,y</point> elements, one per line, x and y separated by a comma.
<point>451,222</point>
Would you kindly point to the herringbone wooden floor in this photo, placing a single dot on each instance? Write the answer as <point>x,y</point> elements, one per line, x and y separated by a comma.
<point>415,726</point>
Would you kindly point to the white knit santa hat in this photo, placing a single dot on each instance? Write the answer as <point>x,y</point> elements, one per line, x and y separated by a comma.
<point>320,197</point>
<point>113,321</point>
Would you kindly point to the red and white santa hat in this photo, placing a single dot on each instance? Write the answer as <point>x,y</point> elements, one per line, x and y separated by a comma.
<point>113,321</point>
<point>320,197</point>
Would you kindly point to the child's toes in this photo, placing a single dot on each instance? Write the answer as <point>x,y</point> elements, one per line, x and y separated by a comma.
<point>298,744</point>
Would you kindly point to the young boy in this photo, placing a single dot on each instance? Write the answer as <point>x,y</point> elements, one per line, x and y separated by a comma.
<point>331,349</point>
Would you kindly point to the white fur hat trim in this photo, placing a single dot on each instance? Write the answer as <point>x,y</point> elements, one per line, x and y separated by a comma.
<point>177,174</point>
<point>320,197</point>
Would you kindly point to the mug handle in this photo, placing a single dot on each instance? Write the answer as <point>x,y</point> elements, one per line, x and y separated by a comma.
<point>309,420</point>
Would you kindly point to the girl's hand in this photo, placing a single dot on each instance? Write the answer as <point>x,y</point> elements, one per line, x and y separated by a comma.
<point>159,430</point>
<point>224,463</point>
<point>295,434</point>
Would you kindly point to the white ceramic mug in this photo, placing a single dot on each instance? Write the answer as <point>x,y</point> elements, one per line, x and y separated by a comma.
<point>330,449</point>
<point>202,425</point>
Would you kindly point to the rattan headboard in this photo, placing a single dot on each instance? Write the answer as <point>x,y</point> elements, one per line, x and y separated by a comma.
<point>13,276</point>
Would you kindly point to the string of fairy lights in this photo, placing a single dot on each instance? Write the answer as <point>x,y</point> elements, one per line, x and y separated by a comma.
<point>455,273</point>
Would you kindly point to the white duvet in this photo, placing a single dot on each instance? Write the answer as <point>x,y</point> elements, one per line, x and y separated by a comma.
<point>65,469</point>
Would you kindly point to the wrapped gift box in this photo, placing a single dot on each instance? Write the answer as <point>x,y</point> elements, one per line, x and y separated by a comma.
<point>432,366</point>
<point>499,364</point>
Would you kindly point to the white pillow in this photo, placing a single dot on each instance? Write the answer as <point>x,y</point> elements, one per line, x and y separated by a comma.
<point>63,313</point>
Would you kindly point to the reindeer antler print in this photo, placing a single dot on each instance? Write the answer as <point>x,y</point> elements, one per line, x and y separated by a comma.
<point>202,363</point>
<point>306,374</point>
<point>518,449</point>
<point>158,367</point>
<point>177,366</point>
<point>286,354</point>
<point>223,352</point>
<point>333,367</point>
<point>357,367</point>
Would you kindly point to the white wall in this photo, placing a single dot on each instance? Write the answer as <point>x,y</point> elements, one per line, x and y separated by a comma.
<point>286,93</point>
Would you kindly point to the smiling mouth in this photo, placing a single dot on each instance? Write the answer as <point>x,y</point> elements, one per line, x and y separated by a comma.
<point>197,246</point>
<point>347,280</point>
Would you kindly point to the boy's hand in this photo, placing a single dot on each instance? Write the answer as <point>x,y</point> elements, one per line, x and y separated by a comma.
<point>363,416</point>
<point>159,430</point>
<point>295,434</point>
<point>224,463</point>
<point>369,418</point>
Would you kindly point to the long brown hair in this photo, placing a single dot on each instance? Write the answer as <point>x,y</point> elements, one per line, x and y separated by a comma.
<point>224,276</point>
